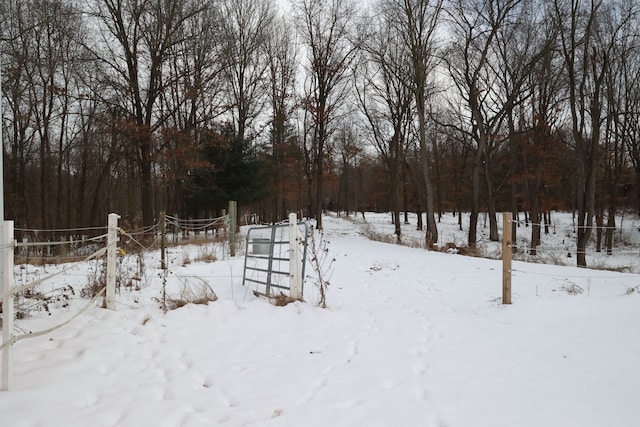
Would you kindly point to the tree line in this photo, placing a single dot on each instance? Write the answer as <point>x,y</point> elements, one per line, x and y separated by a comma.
<point>432,106</point>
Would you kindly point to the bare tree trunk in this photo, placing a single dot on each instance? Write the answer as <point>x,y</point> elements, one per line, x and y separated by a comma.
<point>395,205</point>
<point>611,225</point>
<point>431,236</point>
<point>599,229</point>
<point>491,203</point>
<point>146,189</point>
<point>418,23</point>
<point>319,167</point>
<point>535,227</point>
<point>475,197</point>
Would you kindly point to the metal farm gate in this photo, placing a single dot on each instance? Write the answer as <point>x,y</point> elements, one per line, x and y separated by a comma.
<point>275,258</point>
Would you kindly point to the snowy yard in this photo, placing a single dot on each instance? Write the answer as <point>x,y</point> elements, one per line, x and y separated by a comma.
<point>410,338</point>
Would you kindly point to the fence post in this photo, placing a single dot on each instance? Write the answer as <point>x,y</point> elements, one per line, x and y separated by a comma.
<point>112,243</point>
<point>233,214</point>
<point>7,302</point>
<point>506,257</point>
<point>176,228</point>
<point>295,279</point>
<point>225,224</point>
<point>163,240</point>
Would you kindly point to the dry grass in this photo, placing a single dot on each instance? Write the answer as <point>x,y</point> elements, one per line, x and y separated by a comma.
<point>372,234</point>
<point>281,300</point>
<point>206,253</point>
<point>95,281</point>
<point>573,289</point>
<point>450,247</point>
<point>194,291</point>
<point>453,248</point>
<point>601,265</point>
<point>186,259</point>
<point>199,239</point>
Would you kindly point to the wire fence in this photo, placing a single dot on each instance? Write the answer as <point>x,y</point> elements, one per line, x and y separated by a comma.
<point>42,260</point>
<point>612,249</point>
<point>41,255</point>
<point>56,246</point>
<point>557,244</point>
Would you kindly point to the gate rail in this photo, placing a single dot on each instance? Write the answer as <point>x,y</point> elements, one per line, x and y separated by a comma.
<point>272,255</point>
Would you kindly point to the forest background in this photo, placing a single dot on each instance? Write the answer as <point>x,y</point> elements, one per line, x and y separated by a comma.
<point>143,106</point>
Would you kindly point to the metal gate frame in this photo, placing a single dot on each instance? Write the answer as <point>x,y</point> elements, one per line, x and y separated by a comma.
<point>264,253</point>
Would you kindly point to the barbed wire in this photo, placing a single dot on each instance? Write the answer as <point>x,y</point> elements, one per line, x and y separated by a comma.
<point>572,249</point>
<point>620,276</point>
<point>36,282</point>
<point>58,230</point>
<point>15,338</point>
<point>189,220</point>
<point>60,242</point>
<point>131,238</point>
<point>145,230</point>
<point>49,258</point>
<point>197,224</point>
<point>194,227</point>
<point>575,226</point>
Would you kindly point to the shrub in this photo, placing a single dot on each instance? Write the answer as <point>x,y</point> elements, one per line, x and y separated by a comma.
<point>322,265</point>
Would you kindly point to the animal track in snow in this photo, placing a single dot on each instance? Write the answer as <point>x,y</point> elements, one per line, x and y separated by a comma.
<point>352,351</point>
<point>314,388</point>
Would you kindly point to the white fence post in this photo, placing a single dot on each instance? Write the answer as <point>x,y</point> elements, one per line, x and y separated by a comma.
<point>7,302</point>
<point>233,225</point>
<point>112,245</point>
<point>295,270</point>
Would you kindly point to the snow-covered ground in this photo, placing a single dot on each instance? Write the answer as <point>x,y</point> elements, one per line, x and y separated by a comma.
<point>410,338</point>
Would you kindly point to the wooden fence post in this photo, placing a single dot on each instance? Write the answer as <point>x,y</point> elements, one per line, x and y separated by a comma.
<point>225,224</point>
<point>7,302</point>
<point>112,245</point>
<point>295,270</point>
<point>233,215</point>
<point>176,228</point>
<point>506,257</point>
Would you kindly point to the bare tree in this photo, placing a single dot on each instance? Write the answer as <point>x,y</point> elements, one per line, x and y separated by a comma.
<point>195,99</point>
<point>348,149</point>
<point>417,22</point>
<point>587,45</point>
<point>245,29</point>
<point>134,46</point>
<point>18,110</point>
<point>621,130</point>
<point>528,76</point>
<point>281,52</point>
<point>625,78</point>
<point>535,139</point>
<point>326,28</point>
<point>387,101</point>
<point>43,63</point>
<point>473,63</point>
